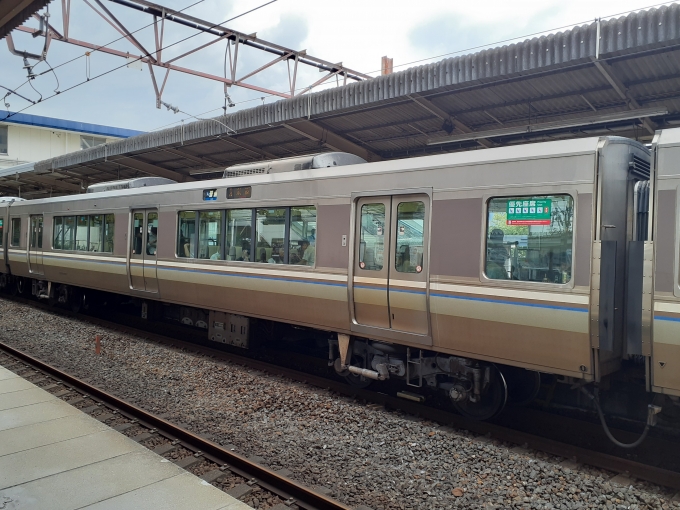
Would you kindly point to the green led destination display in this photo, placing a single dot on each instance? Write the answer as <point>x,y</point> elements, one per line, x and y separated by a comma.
<point>529,212</point>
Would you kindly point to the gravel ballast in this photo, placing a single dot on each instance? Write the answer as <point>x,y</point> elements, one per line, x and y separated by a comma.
<point>362,454</point>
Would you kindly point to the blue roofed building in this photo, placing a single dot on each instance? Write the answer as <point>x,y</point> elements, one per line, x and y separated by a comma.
<point>25,139</point>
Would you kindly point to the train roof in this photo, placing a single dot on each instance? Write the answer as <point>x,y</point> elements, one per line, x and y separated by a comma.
<point>667,137</point>
<point>541,150</point>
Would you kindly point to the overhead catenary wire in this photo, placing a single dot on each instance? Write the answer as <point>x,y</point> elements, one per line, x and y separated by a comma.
<point>87,56</point>
<point>141,57</point>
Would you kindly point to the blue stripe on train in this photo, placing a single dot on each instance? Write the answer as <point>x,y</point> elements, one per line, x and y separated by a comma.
<point>671,319</point>
<point>514,303</point>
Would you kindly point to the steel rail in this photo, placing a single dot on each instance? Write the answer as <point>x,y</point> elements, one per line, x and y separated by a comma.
<point>630,467</point>
<point>304,496</point>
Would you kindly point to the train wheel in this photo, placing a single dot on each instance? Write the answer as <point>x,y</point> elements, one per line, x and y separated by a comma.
<point>492,401</point>
<point>523,385</point>
<point>75,299</point>
<point>21,286</point>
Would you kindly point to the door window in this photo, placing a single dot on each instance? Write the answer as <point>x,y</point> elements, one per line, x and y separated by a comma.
<point>372,243</point>
<point>151,233</point>
<point>137,233</point>
<point>36,232</point>
<point>16,231</point>
<point>410,237</point>
<point>40,231</point>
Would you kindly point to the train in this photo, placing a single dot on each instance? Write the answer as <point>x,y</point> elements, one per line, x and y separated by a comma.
<point>473,274</point>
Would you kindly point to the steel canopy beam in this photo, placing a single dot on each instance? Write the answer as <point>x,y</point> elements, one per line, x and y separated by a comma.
<point>623,92</point>
<point>53,183</point>
<point>331,140</point>
<point>244,145</point>
<point>444,116</point>
<point>547,126</point>
<point>148,168</point>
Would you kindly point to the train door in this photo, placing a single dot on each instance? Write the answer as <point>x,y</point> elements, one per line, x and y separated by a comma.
<point>143,241</point>
<point>390,273</point>
<point>35,254</point>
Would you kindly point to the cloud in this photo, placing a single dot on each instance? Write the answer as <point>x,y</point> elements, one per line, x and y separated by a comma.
<point>291,31</point>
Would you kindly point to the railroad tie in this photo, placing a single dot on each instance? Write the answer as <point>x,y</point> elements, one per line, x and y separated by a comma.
<point>213,476</point>
<point>188,462</point>
<point>241,491</point>
<point>164,448</point>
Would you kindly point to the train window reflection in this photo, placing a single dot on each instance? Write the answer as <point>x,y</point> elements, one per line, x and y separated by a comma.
<point>530,238</point>
<point>302,238</point>
<point>108,233</point>
<point>239,234</point>
<point>81,233</point>
<point>186,238</point>
<point>271,234</point>
<point>58,234</point>
<point>410,237</point>
<point>372,242</point>
<point>16,232</point>
<point>96,231</point>
<point>210,235</point>
<point>69,232</point>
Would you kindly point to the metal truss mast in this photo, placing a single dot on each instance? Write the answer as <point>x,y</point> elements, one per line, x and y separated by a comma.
<point>236,40</point>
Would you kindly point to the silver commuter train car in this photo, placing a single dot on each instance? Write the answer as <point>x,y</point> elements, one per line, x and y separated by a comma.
<point>440,270</point>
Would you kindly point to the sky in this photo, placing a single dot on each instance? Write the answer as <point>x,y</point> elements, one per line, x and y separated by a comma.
<point>355,32</point>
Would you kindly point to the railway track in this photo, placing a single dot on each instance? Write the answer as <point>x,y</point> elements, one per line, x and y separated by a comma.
<point>193,449</point>
<point>644,465</point>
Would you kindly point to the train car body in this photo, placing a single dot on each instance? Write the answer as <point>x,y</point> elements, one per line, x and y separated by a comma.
<point>514,256</point>
<point>661,287</point>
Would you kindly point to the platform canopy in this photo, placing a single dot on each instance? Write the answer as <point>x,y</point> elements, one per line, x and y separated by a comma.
<point>14,12</point>
<point>619,76</point>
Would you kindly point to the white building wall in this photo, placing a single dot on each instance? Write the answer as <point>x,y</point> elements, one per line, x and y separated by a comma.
<point>28,144</point>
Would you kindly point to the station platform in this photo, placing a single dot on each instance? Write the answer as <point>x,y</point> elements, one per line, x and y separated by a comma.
<point>53,456</point>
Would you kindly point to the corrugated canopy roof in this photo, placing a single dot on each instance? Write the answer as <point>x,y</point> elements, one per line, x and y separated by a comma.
<point>14,12</point>
<point>562,85</point>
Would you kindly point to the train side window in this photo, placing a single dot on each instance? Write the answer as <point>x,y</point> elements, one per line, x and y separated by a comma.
<point>372,242</point>
<point>81,233</point>
<point>58,233</point>
<point>2,231</point>
<point>271,234</point>
<point>69,232</point>
<point>186,234</point>
<point>16,232</point>
<point>96,232</point>
<point>210,235</point>
<point>108,233</point>
<point>302,236</point>
<point>239,234</point>
<point>410,237</point>
<point>529,238</point>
